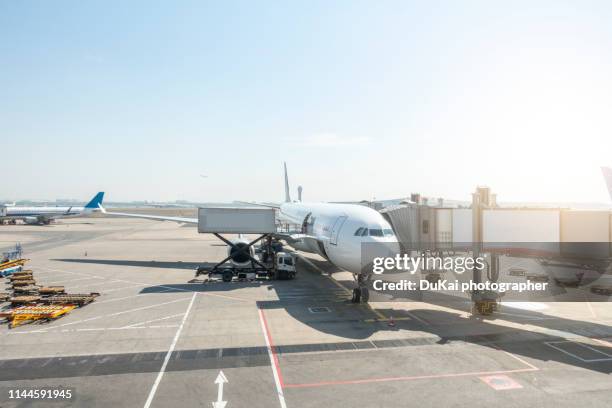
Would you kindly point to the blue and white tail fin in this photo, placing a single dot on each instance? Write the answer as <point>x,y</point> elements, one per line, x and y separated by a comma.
<point>607,173</point>
<point>95,202</point>
<point>287,195</point>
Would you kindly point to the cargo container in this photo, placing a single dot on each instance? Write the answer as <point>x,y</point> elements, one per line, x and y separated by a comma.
<point>237,220</point>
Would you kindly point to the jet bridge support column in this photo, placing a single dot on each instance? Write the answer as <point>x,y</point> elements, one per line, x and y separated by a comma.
<point>484,302</point>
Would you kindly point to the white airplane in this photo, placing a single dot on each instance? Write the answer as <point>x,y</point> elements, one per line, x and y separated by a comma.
<point>333,231</point>
<point>44,215</point>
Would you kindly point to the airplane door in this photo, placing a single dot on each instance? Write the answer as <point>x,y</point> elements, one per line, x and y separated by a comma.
<point>336,229</point>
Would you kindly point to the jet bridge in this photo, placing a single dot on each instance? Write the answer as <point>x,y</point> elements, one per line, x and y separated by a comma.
<point>242,261</point>
<point>561,239</point>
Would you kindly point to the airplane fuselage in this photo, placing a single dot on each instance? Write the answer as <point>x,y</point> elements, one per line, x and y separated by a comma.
<point>46,214</point>
<point>45,211</point>
<point>338,231</point>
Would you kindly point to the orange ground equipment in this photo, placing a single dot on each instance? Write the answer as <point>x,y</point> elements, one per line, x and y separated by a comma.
<point>24,314</point>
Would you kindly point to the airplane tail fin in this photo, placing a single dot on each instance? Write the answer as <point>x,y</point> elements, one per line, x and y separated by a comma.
<point>607,173</point>
<point>287,195</point>
<point>95,202</point>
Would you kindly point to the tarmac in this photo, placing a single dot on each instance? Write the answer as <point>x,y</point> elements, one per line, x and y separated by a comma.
<point>153,339</point>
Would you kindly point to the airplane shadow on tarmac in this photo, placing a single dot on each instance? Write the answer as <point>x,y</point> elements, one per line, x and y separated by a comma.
<point>143,264</point>
<point>446,326</point>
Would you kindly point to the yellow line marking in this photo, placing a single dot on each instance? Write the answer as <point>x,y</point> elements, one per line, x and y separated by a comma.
<point>604,342</point>
<point>309,262</point>
<point>386,319</point>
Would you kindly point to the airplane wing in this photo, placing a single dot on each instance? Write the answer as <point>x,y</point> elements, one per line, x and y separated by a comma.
<point>267,205</point>
<point>288,236</point>
<point>151,217</point>
<point>291,237</point>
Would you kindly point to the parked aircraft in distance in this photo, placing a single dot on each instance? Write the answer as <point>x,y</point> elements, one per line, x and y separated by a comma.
<point>44,215</point>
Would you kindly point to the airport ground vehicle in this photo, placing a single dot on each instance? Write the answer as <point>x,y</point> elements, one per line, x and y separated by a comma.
<point>244,261</point>
<point>285,265</point>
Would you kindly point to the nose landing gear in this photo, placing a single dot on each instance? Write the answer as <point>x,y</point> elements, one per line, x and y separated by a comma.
<point>356,295</point>
<point>361,294</point>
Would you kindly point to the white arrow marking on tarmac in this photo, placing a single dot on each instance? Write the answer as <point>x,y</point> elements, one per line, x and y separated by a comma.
<point>221,379</point>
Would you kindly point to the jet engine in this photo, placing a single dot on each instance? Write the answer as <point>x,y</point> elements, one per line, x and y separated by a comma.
<point>240,258</point>
<point>36,220</point>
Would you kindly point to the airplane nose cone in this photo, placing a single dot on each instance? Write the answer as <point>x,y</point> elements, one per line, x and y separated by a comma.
<point>392,248</point>
<point>379,249</point>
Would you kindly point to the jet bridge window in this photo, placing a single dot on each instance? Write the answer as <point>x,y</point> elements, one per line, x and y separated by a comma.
<point>425,226</point>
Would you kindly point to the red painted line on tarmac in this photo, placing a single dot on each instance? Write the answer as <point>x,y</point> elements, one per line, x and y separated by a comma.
<point>383,379</point>
<point>407,378</point>
<point>272,348</point>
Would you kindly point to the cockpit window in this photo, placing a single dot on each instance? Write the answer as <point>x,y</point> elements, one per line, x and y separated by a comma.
<point>358,232</point>
<point>388,232</point>
<point>376,232</point>
<point>364,233</point>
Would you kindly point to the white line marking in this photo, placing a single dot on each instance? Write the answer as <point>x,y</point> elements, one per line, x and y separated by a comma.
<point>168,354</point>
<point>595,350</point>
<point>417,318</point>
<point>116,314</point>
<point>95,284</point>
<point>64,271</point>
<point>154,320</point>
<point>125,287</point>
<point>137,284</point>
<point>521,360</point>
<point>101,329</point>
<point>582,345</point>
<point>68,280</point>
<point>49,273</point>
<point>279,389</point>
<point>564,351</point>
<point>226,297</point>
<point>590,360</point>
<point>120,328</point>
<point>161,326</point>
<point>126,297</point>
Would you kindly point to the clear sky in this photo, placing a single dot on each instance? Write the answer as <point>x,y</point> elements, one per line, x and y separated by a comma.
<point>362,99</point>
